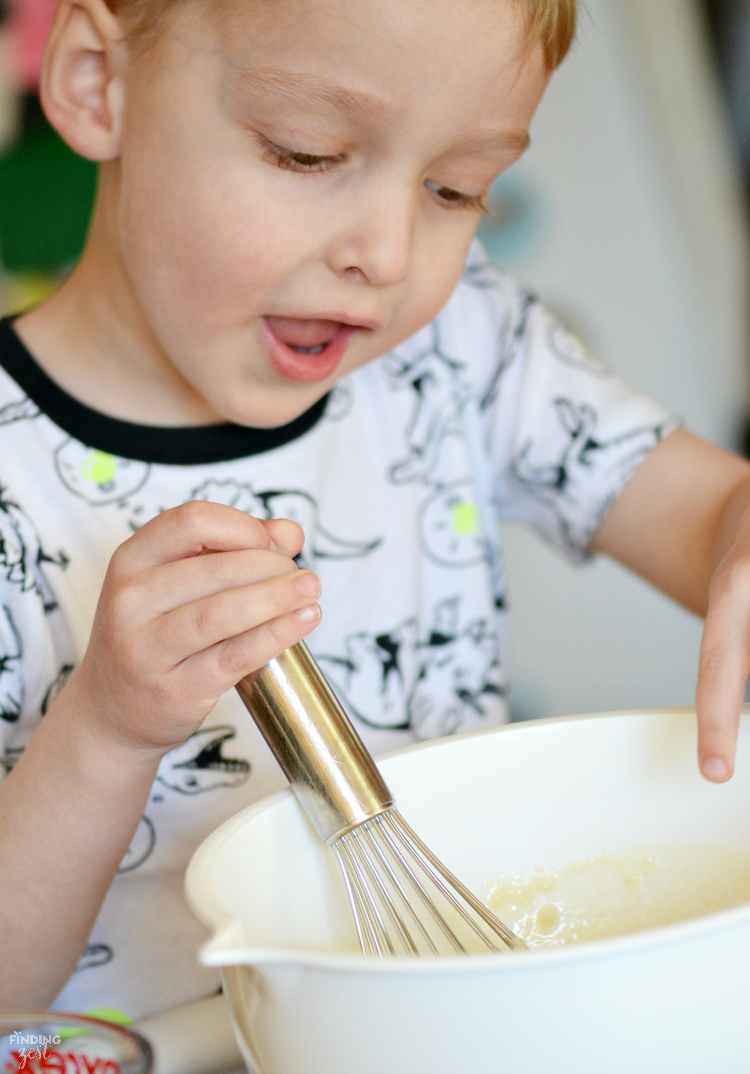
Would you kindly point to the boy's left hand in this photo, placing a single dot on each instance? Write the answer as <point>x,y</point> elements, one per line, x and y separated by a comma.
<point>682,522</point>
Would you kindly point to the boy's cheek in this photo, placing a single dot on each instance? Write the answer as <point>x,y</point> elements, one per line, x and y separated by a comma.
<point>206,273</point>
<point>437,268</point>
<point>203,248</point>
<point>199,221</point>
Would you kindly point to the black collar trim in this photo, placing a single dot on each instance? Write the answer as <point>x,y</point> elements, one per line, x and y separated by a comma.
<point>171,446</point>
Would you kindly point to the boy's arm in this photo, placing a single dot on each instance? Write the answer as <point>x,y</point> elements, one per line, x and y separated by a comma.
<point>174,629</point>
<point>68,813</point>
<point>682,523</point>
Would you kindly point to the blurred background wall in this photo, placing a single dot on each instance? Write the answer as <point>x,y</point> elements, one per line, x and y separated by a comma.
<point>628,215</point>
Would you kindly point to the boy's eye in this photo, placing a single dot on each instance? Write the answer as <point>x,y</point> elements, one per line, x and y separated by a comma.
<point>455,199</point>
<point>297,161</point>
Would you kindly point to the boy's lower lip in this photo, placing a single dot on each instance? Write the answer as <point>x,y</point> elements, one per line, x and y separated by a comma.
<point>307,368</point>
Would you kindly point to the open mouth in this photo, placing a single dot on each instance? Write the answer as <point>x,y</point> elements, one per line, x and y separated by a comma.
<point>306,349</point>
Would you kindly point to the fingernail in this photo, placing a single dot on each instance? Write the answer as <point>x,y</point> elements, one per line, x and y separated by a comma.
<point>308,614</point>
<point>715,769</point>
<point>307,583</point>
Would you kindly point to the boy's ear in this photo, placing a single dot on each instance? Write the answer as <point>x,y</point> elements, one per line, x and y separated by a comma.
<point>81,87</point>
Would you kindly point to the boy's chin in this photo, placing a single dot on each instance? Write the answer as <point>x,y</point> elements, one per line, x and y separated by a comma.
<point>268,411</point>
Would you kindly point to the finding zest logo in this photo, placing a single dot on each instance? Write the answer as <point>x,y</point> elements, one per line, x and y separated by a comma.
<point>44,1061</point>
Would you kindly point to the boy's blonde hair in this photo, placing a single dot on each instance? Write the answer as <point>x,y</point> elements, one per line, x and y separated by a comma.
<point>551,23</point>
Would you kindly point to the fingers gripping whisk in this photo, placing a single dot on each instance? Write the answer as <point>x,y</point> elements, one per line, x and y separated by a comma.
<point>404,900</point>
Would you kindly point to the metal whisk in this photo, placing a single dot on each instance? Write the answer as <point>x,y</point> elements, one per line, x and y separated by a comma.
<point>403,899</point>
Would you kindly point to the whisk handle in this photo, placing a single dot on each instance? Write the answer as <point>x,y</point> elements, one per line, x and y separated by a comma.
<point>329,767</point>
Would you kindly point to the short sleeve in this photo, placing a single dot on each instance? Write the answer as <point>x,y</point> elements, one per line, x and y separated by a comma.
<point>564,432</point>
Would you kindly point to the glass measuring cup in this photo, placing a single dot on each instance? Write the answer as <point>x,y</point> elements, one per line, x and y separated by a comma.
<point>48,1042</point>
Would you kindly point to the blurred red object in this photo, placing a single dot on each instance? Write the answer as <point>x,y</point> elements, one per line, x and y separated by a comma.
<point>29,23</point>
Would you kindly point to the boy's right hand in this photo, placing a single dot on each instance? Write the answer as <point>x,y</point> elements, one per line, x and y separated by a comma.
<point>174,629</point>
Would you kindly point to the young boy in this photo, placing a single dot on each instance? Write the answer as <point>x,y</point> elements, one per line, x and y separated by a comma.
<point>272,324</point>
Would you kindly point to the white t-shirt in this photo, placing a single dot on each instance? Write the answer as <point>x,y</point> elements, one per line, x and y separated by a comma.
<point>398,477</point>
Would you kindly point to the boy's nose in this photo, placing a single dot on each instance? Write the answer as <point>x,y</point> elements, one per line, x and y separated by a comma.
<point>377,242</point>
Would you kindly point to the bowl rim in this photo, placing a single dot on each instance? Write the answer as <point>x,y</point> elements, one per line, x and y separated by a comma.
<point>219,951</point>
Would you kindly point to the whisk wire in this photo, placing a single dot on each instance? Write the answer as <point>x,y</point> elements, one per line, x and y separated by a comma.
<point>368,905</point>
<point>509,938</point>
<point>388,873</point>
<point>379,940</point>
<point>360,918</point>
<point>362,838</point>
<point>451,900</point>
<point>427,902</point>
<point>393,877</point>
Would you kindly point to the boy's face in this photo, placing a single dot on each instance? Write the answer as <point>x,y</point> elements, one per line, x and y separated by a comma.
<point>300,180</point>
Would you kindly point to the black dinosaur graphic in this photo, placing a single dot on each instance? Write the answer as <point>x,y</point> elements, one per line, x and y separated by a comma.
<point>439,392</point>
<point>22,556</point>
<point>430,683</point>
<point>480,274</point>
<point>340,402</point>
<point>299,506</point>
<point>511,335</point>
<point>198,764</point>
<point>141,845</point>
<point>10,758</point>
<point>375,675</point>
<point>439,382</point>
<point>56,686</point>
<point>19,411</point>
<point>583,459</point>
<point>11,680</point>
<point>94,954</point>
<point>512,324</point>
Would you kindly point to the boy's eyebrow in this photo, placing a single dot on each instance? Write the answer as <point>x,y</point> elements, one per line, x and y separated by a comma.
<point>516,141</point>
<point>305,89</point>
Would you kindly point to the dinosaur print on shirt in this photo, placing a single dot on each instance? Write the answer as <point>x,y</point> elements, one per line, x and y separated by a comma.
<point>11,676</point>
<point>18,410</point>
<point>567,479</point>
<point>427,681</point>
<point>294,504</point>
<point>199,765</point>
<point>22,556</point>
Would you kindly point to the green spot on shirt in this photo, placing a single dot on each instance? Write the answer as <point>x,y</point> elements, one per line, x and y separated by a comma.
<point>465,519</point>
<point>99,467</point>
<point>105,1014</point>
<point>111,1014</point>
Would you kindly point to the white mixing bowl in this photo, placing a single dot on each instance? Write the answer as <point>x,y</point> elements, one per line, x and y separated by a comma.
<point>674,1000</point>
